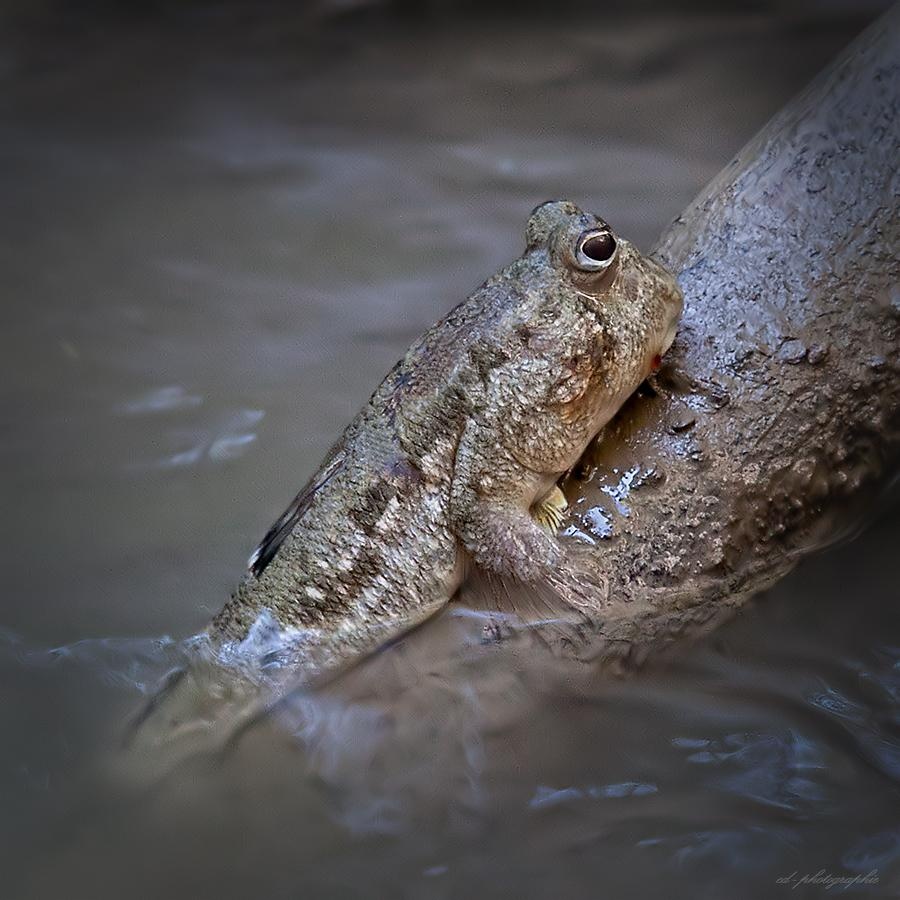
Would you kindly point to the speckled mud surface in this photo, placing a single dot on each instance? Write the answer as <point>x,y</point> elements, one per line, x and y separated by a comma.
<point>780,402</point>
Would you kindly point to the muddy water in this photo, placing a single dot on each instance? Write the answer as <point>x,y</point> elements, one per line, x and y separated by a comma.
<point>219,230</point>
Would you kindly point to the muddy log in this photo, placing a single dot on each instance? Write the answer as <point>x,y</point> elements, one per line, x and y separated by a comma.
<point>780,399</point>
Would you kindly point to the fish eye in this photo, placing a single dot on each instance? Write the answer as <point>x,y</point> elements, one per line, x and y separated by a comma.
<point>596,250</point>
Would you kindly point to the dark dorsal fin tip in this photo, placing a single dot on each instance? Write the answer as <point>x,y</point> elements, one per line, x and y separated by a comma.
<point>275,536</point>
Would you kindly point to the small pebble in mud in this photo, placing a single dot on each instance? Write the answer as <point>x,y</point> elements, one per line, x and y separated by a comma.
<point>682,423</point>
<point>647,477</point>
<point>816,182</point>
<point>792,352</point>
<point>895,298</point>
<point>717,396</point>
<point>817,352</point>
<point>492,632</point>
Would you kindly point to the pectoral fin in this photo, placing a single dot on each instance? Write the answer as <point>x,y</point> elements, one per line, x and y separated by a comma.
<point>550,510</point>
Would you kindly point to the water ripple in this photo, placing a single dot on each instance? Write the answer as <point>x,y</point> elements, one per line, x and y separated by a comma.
<point>874,851</point>
<point>225,440</point>
<point>136,663</point>
<point>158,400</point>
<point>546,797</point>
<point>774,769</point>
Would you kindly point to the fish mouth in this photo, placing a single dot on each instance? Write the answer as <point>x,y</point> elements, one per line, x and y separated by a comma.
<point>670,294</point>
<point>669,338</point>
<point>676,304</point>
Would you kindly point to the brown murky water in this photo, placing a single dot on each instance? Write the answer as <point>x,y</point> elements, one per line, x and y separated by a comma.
<point>220,229</point>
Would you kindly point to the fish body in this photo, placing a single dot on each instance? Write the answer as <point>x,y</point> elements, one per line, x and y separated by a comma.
<point>454,460</point>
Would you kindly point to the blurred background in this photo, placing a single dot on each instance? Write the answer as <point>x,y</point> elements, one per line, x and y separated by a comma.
<point>222,223</point>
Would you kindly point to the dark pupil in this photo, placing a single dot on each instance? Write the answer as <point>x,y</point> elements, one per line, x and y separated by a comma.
<point>599,248</point>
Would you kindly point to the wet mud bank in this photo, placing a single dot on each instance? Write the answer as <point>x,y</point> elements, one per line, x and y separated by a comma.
<point>777,414</point>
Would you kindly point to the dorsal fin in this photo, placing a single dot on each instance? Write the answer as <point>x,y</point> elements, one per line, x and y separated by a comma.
<point>275,536</point>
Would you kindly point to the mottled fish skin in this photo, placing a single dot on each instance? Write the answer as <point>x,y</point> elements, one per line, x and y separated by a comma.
<point>474,425</point>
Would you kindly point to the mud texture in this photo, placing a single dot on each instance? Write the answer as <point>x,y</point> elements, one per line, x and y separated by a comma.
<point>780,400</point>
